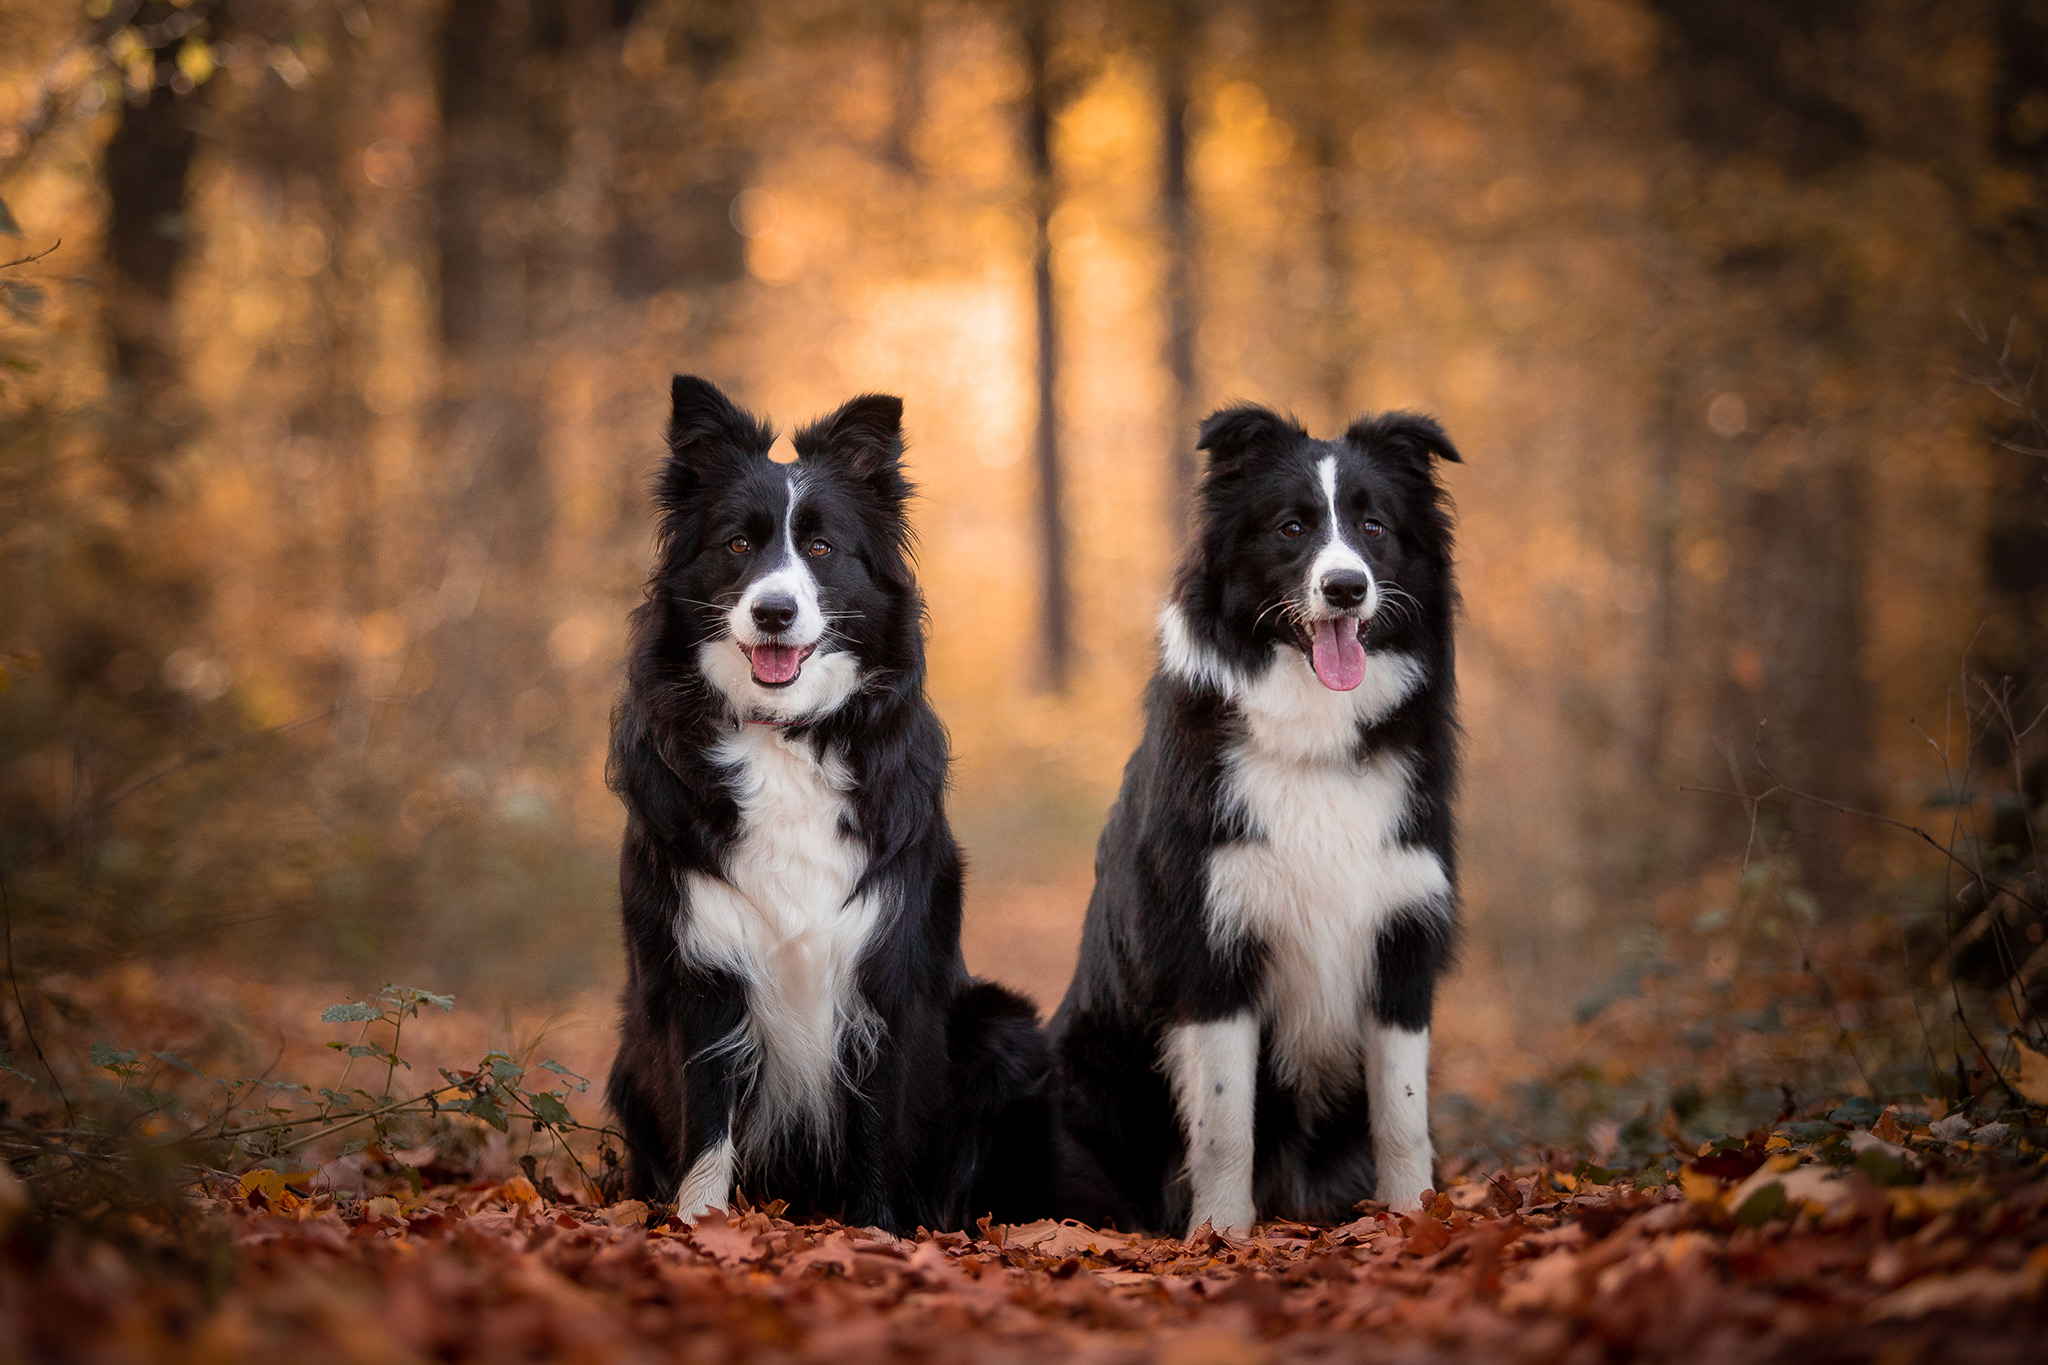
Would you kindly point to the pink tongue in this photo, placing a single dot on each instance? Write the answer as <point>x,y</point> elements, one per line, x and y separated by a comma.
<point>1338,656</point>
<point>778,663</point>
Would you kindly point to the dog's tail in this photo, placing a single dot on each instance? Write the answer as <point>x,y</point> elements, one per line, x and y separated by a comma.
<point>997,1132</point>
<point>650,1174</point>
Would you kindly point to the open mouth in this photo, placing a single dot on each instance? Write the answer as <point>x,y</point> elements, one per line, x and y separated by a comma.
<point>1335,646</point>
<point>776,665</point>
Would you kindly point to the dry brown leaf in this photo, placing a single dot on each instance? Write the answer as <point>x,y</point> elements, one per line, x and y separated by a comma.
<point>1427,1234</point>
<point>724,1242</point>
<point>1055,1240</point>
<point>627,1213</point>
<point>1976,1290</point>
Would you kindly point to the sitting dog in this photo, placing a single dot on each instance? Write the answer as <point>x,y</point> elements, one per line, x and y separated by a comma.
<point>799,1022</point>
<point>1247,1031</point>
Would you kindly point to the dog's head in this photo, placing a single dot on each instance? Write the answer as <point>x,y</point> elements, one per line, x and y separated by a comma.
<point>790,582</point>
<point>1330,547</point>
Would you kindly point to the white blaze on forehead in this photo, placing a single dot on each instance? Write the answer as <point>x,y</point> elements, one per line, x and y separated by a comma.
<point>789,515</point>
<point>790,577</point>
<point>1336,556</point>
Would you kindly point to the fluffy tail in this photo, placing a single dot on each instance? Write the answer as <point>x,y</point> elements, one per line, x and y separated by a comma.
<point>997,1134</point>
<point>650,1174</point>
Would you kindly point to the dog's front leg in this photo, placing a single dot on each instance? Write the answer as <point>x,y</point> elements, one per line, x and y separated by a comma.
<point>709,1160</point>
<point>712,1029</point>
<point>871,1165</point>
<point>1411,952</point>
<point>1397,1087</point>
<point>1213,1069</point>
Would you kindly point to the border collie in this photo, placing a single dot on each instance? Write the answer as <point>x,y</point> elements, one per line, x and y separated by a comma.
<point>1247,1032</point>
<point>799,1022</point>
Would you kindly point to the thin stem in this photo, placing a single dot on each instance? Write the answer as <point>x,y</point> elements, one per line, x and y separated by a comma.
<point>30,260</point>
<point>7,912</point>
<point>420,1098</point>
<point>391,1065</point>
<point>328,1107</point>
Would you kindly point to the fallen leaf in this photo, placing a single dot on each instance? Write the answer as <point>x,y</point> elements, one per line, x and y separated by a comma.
<point>1055,1240</point>
<point>834,1251</point>
<point>1700,1188</point>
<point>719,1239</point>
<point>1969,1291</point>
<point>2030,1076</point>
<point>1954,1128</point>
<point>1427,1235</point>
<point>268,1183</point>
<point>627,1213</point>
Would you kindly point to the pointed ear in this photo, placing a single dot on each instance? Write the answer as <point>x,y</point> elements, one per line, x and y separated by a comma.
<point>700,415</point>
<point>864,438</point>
<point>1231,434</point>
<point>704,428</point>
<point>1404,436</point>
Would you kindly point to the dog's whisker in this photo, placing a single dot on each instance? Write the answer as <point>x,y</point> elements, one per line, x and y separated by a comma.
<point>1286,605</point>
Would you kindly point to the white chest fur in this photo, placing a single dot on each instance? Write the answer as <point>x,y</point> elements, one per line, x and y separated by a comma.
<point>780,919</point>
<point>1324,869</point>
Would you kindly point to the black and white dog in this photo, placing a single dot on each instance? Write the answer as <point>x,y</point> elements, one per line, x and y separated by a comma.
<point>1247,1033</point>
<point>799,1022</point>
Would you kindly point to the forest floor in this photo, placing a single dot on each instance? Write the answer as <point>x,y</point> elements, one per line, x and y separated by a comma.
<point>1843,1228</point>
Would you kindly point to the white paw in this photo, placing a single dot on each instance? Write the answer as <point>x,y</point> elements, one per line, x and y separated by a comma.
<point>1403,1193</point>
<point>708,1185</point>
<point>1231,1221</point>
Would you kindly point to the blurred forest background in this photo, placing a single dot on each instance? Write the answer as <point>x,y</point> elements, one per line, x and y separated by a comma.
<point>326,429</point>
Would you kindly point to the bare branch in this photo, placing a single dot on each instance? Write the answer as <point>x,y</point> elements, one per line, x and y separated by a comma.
<point>30,260</point>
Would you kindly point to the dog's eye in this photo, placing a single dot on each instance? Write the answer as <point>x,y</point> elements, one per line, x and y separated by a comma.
<point>1290,529</point>
<point>1373,529</point>
<point>739,545</point>
<point>818,547</point>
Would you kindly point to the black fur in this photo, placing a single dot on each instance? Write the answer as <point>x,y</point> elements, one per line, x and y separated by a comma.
<point>1147,961</point>
<point>960,1064</point>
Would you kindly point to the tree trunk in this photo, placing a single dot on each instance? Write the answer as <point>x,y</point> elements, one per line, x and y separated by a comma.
<point>1335,336</point>
<point>148,168</point>
<point>1054,597</point>
<point>496,168</point>
<point>502,257</point>
<point>1177,47</point>
<point>1792,516</point>
<point>2015,640</point>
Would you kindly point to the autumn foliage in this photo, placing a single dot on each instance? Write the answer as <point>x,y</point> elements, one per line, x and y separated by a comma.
<point>1523,1264</point>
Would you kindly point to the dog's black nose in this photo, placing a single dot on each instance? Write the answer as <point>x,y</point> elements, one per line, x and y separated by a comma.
<point>1345,589</point>
<point>774,614</point>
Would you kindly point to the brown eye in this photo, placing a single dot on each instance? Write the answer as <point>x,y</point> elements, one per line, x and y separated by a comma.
<point>1290,529</point>
<point>739,545</point>
<point>818,547</point>
<point>1373,530</point>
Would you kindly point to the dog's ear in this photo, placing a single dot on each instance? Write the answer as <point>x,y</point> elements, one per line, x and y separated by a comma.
<point>705,428</point>
<point>864,438</point>
<point>700,416</point>
<point>1231,434</point>
<point>1406,436</point>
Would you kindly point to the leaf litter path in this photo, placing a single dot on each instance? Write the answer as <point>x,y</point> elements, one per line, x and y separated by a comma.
<point>1513,1268</point>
